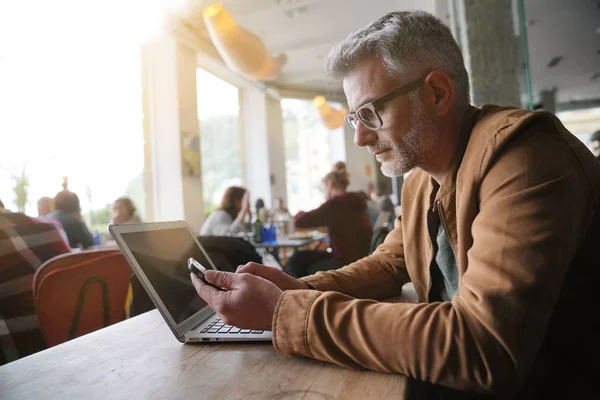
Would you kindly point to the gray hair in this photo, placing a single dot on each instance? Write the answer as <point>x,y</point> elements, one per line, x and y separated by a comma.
<point>406,42</point>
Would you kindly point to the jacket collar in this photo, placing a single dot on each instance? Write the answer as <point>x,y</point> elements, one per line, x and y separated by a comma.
<point>449,183</point>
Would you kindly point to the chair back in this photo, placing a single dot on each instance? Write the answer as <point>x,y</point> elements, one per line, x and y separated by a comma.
<point>227,252</point>
<point>79,293</point>
<point>385,218</point>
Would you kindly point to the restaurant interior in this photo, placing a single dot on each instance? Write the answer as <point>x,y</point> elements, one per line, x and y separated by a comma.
<point>149,111</point>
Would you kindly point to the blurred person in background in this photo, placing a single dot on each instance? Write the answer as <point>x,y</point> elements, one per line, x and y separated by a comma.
<point>372,207</point>
<point>123,212</point>
<point>2,208</point>
<point>261,210</point>
<point>383,201</point>
<point>345,216</point>
<point>67,211</point>
<point>45,206</point>
<point>280,212</point>
<point>231,216</point>
<point>25,244</point>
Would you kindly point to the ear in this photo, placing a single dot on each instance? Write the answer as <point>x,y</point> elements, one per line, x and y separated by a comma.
<point>440,90</point>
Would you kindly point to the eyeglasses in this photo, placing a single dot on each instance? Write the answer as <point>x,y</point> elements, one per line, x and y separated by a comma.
<point>367,113</point>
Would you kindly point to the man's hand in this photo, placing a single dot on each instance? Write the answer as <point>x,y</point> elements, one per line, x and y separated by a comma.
<point>249,302</point>
<point>279,278</point>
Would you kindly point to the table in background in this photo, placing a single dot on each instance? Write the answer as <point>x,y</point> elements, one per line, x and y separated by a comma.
<point>290,243</point>
<point>140,359</point>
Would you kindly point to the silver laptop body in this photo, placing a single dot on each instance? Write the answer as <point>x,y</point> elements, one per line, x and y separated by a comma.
<point>157,253</point>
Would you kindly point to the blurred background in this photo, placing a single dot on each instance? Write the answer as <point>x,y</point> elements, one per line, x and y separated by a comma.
<point>144,99</point>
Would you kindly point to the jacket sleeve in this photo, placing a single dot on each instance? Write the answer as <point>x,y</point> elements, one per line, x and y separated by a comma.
<point>83,234</point>
<point>535,208</point>
<point>315,218</point>
<point>378,276</point>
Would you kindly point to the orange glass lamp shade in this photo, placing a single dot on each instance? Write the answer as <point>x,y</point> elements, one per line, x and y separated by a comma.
<point>242,51</point>
<point>331,117</point>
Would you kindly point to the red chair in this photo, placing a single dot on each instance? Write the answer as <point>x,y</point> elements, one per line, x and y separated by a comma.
<point>78,293</point>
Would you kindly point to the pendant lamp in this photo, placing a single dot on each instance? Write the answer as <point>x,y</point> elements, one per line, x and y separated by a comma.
<point>331,117</point>
<point>242,51</point>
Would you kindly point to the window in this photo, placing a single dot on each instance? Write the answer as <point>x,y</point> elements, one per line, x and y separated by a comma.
<point>309,153</point>
<point>220,147</point>
<point>582,123</point>
<point>70,105</point>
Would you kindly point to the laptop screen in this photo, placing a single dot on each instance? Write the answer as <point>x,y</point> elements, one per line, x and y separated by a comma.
<point>162,254</point>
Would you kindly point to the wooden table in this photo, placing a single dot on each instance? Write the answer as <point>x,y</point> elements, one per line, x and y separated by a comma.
<point>141,359</point>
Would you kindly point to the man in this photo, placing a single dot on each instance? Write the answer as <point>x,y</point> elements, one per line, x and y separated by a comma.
<point>25,244</point>
<point>45,206</point>
<point>498,235</point>
<point>68,213</point>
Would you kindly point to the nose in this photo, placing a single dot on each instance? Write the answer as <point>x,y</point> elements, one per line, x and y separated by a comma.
<point>363,135</point>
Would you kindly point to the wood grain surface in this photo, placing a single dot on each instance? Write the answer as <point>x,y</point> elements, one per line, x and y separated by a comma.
<point>141,359</point>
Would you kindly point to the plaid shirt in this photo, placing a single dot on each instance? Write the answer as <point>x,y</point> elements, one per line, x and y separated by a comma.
<point>25,244</point>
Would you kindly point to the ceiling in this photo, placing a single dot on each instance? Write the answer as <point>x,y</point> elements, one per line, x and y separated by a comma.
<point>571,30</point>
<point>305,30</point>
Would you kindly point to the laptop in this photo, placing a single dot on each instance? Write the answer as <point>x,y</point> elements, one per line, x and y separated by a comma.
<point>158,254</point>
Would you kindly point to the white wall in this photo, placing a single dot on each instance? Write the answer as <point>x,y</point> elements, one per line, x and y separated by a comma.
<point>276,150</point>
<point>170,109</point>
<point>264,149</point>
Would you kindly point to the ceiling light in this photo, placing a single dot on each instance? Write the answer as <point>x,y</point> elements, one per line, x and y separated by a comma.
<point>331,117</point>
<point>242,51</point>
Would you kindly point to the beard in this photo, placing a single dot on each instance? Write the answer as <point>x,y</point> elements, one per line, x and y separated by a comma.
<point>414,148</point>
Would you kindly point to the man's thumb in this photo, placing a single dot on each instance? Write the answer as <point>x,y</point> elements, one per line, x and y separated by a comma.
<point>221,279</point>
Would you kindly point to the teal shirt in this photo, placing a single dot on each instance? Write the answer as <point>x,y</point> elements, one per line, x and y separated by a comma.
<point>443,269</point>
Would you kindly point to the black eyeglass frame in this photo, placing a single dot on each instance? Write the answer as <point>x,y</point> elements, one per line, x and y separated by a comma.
<point>374,105</point>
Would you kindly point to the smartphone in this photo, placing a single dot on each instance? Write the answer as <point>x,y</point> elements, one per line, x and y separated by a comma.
<point>199,270</point>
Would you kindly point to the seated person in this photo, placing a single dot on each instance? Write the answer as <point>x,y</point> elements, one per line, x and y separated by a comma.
<point>385,206</point>
<point>123,212</point>
<point>261,210</point>
<point>25,244</point>
<point>3,209</point>
<point>280,212</point>
<point>383,201</point>
<point>45,206</point>
<point>67,211</point>
<point>499,233</point>
<point>347,221</point>
<point>231,215</point>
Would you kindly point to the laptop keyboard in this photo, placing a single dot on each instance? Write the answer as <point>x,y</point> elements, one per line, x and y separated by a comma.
<point>220,327</point>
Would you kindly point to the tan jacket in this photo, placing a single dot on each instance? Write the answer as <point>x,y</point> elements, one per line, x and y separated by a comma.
<point>521,213</point>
